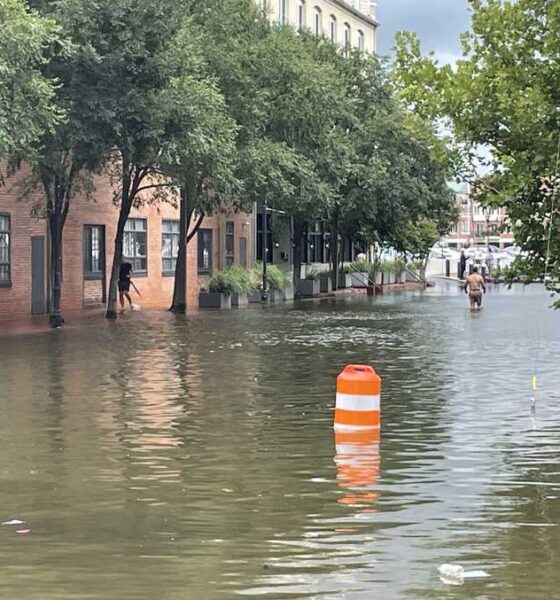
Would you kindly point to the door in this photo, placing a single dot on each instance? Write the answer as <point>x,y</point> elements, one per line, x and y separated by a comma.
<point>38,275</point>
<point>243,251</point>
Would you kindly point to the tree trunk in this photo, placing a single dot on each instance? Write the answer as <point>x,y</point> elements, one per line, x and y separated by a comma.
<point>131,178</point>
<point>179,303</point>
<point>299,228</point>
<point>334,248</point>
<point>117,257</point>
<point>55,230</point>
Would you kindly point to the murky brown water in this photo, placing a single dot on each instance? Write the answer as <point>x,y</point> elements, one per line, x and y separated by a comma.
<point>196,460</point>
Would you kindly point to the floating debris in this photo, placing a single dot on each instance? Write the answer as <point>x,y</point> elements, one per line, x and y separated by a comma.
<point>13,522</point>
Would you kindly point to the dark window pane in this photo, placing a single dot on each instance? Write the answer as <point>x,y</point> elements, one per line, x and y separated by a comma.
<point>4,249</point>
<point>205,250</point>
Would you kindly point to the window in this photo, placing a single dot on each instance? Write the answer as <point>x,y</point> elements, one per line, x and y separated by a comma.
<point>317,21</point>
<point>479,229</point>
<point>94,251</point>
<point>464,227</point>
<point>230,242</point>
<point>332,29</point>
<point>361,41</point>
<point>204,250</point>
<point>282,12</point>
<point>5,279</point>
<point>135,244</point>
<point>169,245</point>
<point>300,15</point>
<point>347,38</point>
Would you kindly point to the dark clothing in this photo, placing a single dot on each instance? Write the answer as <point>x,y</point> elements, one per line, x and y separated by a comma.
<point>124,285</point>
<point>462,266</point>
<point>124,271</point>
<point>124,276</point>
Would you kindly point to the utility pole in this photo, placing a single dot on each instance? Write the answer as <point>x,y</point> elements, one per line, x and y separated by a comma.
<point>264,294</point>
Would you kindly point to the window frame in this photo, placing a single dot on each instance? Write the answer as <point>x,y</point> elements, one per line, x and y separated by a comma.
<point>132,259</point>
<point>333,29</point>
<point>282,12</point>
<point>200,233</point>
<point>300,15</point>
<point>361,41</point>
<point>317,21</point>
<point>6,283</point>
<point>172,234</point>
<point>347,38</point>
<point>229,237</point>
<point>93,275</point>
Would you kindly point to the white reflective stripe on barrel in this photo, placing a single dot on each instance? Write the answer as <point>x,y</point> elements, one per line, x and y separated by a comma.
<point>358,403</point>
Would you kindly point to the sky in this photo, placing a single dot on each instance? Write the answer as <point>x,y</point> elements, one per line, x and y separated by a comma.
<point>438,24</point>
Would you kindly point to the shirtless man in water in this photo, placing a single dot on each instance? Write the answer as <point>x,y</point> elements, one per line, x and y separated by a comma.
<point>474,288</point>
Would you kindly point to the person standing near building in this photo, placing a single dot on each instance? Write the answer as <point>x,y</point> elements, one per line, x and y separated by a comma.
<point>462,265</point>
<point>125,271</point>
<point>474,288</point>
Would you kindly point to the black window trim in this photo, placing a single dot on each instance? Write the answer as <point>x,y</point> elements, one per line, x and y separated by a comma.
<point>200,270</point>
<point>89,275</point>
<point>8,283</point>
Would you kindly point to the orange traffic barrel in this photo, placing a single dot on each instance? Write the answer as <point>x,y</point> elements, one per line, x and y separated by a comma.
<point>358,398</point>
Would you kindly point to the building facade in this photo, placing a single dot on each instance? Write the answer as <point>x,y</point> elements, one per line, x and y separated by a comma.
<point>349,24</point>
<point>477,225</point>
<point>151,243</point>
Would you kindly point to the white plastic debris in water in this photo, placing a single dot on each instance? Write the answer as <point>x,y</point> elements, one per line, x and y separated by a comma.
<point>451,574</point>
<point>13,522</point>
<point>456,574</point>
<point>135,307</point>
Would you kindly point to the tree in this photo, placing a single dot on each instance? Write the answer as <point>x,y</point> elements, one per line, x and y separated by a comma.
<point>198,153</point>
<point>66,152</point>
<point>418,240</point>
<point>125,83</point>
<point>27,98</point>
<point>503,96</point>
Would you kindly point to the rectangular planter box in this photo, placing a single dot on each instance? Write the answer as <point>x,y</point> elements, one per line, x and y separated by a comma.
<point>287,294</point>
<point>214,300</point>
<point>326,285</point>
<point>239,299</point>
<point>308,288</point>
<point>254,297</point>
<point>344,281</point>
<point>359,280</point>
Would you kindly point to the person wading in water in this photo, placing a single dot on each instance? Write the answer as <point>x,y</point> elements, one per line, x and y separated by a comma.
<point>125,271</point>
<point>474,288</point>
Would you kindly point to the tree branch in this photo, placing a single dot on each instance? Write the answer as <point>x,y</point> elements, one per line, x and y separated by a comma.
<point>196,228</point>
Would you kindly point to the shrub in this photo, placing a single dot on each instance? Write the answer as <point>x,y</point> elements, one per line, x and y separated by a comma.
<point>360,266</point>
<point>232,280</point>
<point>312,274</point>
<point>278,279</point>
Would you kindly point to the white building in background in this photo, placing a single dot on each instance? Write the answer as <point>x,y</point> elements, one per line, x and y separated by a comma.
<point>349,24</point>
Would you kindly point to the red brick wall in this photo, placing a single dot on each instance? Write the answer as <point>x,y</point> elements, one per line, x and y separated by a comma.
<point>17,298</point>
<point>156,289</point>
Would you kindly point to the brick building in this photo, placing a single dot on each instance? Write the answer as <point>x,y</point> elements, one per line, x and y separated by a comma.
<point>150,244</point>
<point>477,225</point>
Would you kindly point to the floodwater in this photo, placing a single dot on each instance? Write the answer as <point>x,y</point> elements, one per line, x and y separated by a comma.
<point>173,459</point>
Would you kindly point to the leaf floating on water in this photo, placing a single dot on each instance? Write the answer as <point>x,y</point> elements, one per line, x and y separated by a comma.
<point>13,522</point>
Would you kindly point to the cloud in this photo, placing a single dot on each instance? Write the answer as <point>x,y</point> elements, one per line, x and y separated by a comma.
<point>438,23</point>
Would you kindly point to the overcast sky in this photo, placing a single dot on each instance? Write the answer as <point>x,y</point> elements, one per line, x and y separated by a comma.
<point>438,24</point>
